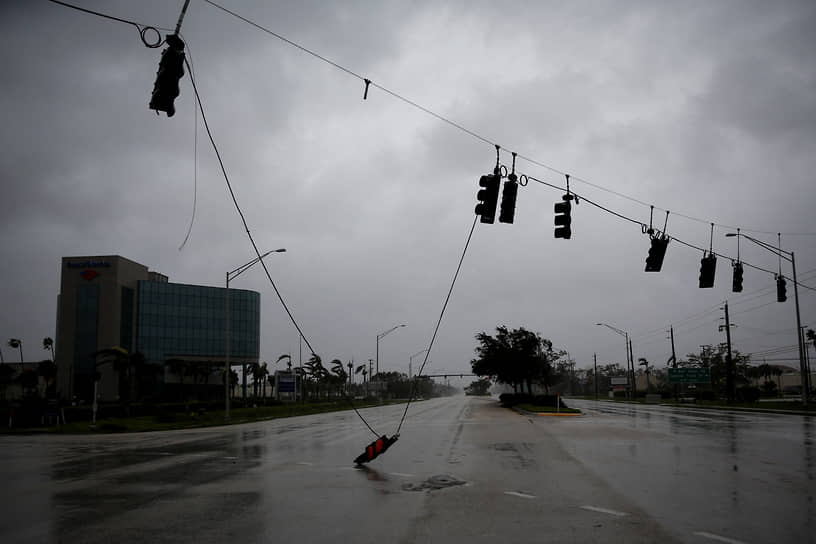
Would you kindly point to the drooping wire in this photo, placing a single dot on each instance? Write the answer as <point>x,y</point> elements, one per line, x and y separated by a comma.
<point>195,155</point>
<point>438,323</point>
<point>251,239</point>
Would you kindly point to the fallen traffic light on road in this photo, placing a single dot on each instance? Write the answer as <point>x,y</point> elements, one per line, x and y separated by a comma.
<point>375,449</point>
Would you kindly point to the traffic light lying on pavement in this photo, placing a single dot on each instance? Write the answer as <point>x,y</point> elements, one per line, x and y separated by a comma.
<point>376,448</point>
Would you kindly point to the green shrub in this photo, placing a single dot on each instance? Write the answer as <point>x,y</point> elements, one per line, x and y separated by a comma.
<point>748,393</point>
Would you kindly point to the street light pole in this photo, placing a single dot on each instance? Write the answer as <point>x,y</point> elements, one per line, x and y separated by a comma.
<point>788,256</point>
<point>382,335</point>
<point>411,360</point>
<point>628,356</point>
<point>227,375</point>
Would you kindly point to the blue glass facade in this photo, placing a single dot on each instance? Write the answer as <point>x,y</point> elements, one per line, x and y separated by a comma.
<point>177,320</point>
<point>87,319</point>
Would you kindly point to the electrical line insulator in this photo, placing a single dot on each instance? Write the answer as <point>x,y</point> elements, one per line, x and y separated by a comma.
<point>563,220</point>
<point>781,289</point>
<point>708,267</point>
<point>654,261</point>
<point>375,449</point>
<point>488,197</point>
<point>736,284</point>
<point>508,203</point>
<point>171,69</point>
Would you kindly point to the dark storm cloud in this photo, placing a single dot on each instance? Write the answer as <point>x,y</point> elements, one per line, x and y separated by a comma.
<point>693,107</point>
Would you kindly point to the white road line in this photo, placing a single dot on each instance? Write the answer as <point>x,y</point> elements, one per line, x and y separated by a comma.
<point>304,463</point>
<point>402,475</point>
<point>718,538</point>
<point>604,510</point>
<point>520,494</point>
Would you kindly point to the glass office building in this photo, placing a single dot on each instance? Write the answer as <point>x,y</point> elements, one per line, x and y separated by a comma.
<point>175,320</point>
<point>112,302</point>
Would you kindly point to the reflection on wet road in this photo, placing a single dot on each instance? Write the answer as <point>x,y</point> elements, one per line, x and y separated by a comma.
<point>463,470</point>
<point>749,476</point>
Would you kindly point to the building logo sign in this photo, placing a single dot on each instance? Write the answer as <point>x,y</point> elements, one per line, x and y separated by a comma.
<point>89,274</point>
<point>89,264</point>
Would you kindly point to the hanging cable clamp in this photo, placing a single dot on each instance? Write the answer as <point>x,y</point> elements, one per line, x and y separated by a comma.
<point>567,197</point>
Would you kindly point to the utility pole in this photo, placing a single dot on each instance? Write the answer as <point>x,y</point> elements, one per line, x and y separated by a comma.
<point>628,373</point>
<point>632,363</point>
<point>595,373</point>
<point>729,361</point>
<point>674,362</point>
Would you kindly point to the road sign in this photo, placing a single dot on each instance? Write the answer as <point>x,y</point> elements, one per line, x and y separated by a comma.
<point>286,382</point>
<point>619,380</point>
<point>689,375</point>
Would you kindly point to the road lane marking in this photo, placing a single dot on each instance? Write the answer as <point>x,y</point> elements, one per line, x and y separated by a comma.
<point>718,538</point>
<point>604,510</point>
<point>402,475</point>
<point>520,494</point>
<point>304,463</point>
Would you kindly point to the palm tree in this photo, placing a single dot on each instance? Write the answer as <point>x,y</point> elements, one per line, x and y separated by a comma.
<point>48,370</point>
<point>179,367</point>
<point>16,343</point>
<point>259,374</point>
<point>253,369</point>
<point>28,380</point>
<point>120,359</point>
<point>48,344</point>
<point>316,371</point>
<point>350,371</point>
<point>288,360</point>
<point>6,379</point>
<point>645,364</point>
<point>339,373</point>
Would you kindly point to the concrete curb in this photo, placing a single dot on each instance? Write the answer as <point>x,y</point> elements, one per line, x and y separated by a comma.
<point>553,414</point>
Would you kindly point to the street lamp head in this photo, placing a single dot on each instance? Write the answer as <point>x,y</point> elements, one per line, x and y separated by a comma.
<point>731,234</point>
<point>281,250</point>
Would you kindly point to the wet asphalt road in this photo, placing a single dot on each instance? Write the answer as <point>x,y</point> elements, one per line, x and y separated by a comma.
<point>464,470</point>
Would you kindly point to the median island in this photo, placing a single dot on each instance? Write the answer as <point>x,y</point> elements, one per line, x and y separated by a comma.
<point>539,404</point>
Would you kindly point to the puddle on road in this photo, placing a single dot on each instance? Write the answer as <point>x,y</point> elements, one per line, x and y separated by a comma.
<point>440,481</point>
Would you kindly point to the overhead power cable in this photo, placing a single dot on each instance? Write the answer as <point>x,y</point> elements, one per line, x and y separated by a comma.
<point>464,129</point>
<point>251,239</point>
<point>438,323</point>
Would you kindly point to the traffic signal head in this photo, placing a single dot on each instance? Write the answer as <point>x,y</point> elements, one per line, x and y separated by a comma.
<point>375,449</point>
<point>654,261</point>
<point>708,265</point>
<point>171,68</point>
<point>781,289</point>
<point>736,284</point>
<point>508,203</point>
<point>563,219</point>
<point>488,197</point>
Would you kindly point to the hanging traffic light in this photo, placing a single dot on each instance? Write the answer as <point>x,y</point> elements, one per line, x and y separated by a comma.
<point>654,261</point>
<point>488,197</point>
<point>736,284</point>
<point>171,68</point>
<point>708,265</point>
<point>508,203</point>
<point>781,289</point>
<point>562,218</point>
<point>376,449</point>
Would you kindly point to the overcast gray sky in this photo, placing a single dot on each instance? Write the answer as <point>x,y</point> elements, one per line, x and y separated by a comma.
<point>707,109</point>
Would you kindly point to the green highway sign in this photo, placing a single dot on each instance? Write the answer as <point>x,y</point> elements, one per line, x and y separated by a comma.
<point>689,375</point>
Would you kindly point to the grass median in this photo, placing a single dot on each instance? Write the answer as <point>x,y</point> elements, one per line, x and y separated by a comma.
<point>192,420</point>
